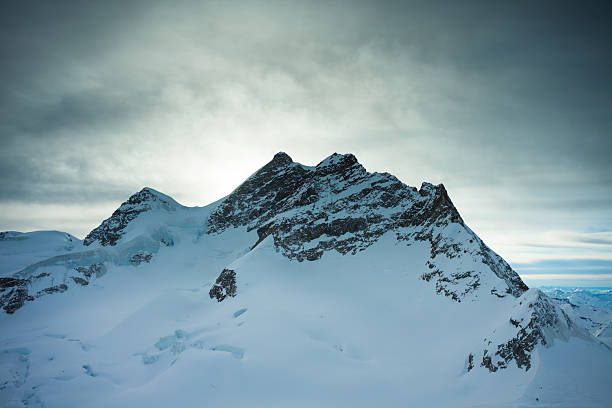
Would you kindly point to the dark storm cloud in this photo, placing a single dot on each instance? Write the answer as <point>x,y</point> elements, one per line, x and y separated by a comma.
<point>44,186</point>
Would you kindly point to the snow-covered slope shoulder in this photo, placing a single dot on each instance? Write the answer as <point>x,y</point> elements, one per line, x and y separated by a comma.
<point>322,285</point>
<point>19,249</point>
<point>50,262</point>
<point>111,230</point>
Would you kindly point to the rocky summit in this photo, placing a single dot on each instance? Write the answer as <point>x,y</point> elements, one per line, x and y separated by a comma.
<point>322,285</point>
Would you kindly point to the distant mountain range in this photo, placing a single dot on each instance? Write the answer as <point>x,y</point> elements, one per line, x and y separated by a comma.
<point>591,308</point>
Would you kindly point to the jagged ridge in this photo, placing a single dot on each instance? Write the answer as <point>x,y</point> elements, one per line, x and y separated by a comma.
<point>339,206</point>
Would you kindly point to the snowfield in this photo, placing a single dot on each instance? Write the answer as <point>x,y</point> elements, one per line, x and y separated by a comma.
<point>417,314</point>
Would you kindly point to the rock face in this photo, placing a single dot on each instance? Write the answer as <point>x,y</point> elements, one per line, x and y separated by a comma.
<point>224,286</point>
<point>15,292</point>
<point>112,229</point>
<point>535,320</point>
<point>140,257</point>
<point>91,270</point>
<point>339,206</point>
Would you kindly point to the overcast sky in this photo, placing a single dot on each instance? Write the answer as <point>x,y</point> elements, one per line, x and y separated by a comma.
<point>509,104</point>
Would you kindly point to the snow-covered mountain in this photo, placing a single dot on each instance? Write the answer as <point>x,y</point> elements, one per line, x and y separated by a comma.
<point>596,297</point>
<point>592,309</point>
<point>309,286</point>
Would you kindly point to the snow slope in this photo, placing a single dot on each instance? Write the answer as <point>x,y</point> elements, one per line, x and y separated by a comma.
<point>18,249</point>
<point>307,286</point>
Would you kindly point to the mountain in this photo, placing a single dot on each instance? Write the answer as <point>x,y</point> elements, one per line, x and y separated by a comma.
<point>590,308</point>
<point>320,285</point>
<point>596,297</point>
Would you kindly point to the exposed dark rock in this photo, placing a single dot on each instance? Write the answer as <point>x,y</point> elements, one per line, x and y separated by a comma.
<point>496,293</point>
<point>10,282</point>
<point>488,363</point>
<point>454,285</point>
<point>470,362</point>
<point>139,258</point>
<point>224,286</point>
<point>309,196</point>
<point>13,294</point>
<point>80,281</point>
<point>53,289</point>
<point>88,271</point>
<point>15,300</point>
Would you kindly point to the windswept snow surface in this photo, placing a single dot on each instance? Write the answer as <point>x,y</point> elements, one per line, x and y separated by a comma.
<point>358,329</point>
<point>19,249</point>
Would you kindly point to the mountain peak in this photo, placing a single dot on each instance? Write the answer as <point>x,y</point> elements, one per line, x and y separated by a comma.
<point>344,164</point>
<point>111,229</point>
<point>147,194</point>
<point>337,158</point>
<point>339,206</point>
<point>281,159</point>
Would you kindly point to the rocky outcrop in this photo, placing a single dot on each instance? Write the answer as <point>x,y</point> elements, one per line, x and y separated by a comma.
<point>112,229</point>
<point>536,320</point>
<point>455,285</point>
<point>140,257</point>
<point>15,292</point>
<point>88,271</point>
<point>80,281</point>
<point>224,286</point>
